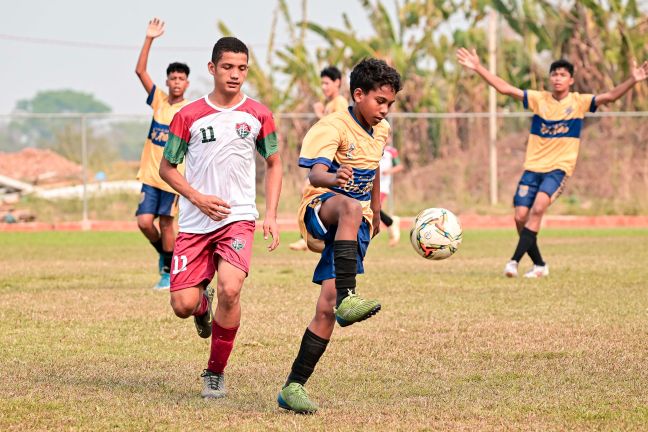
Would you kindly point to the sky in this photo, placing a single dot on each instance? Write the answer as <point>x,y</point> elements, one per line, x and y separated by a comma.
<point>44,43</point>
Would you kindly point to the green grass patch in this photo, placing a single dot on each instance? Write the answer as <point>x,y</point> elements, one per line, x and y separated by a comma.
<point>86,344</point>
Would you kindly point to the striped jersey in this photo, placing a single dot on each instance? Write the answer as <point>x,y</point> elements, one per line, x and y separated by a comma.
<point>555,130</point>
<point>338,139</point>
<point>163,112</point>
<point>218,147</point>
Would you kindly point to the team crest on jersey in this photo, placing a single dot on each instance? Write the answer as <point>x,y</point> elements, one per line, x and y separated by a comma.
<point>349,153</point>
<point>523,190</point>
<point>569,110</point>
<point>237,243</point>
<point>243,129</point>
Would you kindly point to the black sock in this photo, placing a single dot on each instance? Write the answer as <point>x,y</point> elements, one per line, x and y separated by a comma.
<point>526,242</point>
<point>158,246</point>
<point>384,218</point>
<point>311,349</point>
<point>166,258</point>
<point>534,254</point>
<point>346,267</point>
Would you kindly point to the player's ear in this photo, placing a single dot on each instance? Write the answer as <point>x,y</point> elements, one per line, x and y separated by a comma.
<point>357,95</point>
<point>211,67</point>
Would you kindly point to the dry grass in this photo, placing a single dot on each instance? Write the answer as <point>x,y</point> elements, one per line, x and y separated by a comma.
<point>86,345</point>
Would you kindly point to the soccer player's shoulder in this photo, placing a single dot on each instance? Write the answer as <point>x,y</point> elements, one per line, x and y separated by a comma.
<point>256,108</point>
<point>195,109</point>
<point>382,130</point>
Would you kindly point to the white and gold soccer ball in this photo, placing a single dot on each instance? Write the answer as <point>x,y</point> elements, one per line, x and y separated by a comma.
<point>436,234</point>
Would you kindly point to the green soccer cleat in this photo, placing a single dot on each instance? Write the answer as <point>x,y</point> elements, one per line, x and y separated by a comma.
<point>204,321</point>
<point>293,397</point>
<point>213,385</point>
<point>353,309</point>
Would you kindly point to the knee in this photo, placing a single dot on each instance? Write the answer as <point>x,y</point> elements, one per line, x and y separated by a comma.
<point>351,210</point>
<point>521,218</point>
<point>182,307</point>
<point>324,311</point>
<point>228,296</point>
<point>144,224</point>
<point>166,223</point>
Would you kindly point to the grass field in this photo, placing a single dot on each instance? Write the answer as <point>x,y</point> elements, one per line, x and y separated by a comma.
<point>85,344</point>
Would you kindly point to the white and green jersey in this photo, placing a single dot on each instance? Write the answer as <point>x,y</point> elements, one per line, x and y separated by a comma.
<point>218,147</point>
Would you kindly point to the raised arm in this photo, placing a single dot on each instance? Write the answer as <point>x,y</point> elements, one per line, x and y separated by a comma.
<point>273,189</point>
<point>470,60</point>
<point>155,29</point>
<point>637,74</point>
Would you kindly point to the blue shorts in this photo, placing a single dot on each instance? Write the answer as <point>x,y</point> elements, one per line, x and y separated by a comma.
<point>156,201</point>
<point>552,183</point>
<point>326,266</point>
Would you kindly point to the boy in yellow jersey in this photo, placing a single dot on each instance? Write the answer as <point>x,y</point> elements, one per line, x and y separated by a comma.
<point>157,197</point>
<point>331,82</point>
<point>341,206</point>
<point>552,148</point>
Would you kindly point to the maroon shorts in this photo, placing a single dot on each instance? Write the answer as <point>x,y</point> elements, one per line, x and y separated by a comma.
<point>195,255</point>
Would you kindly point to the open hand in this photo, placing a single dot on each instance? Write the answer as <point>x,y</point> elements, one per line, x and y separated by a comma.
<point>270,227</point>
<point>639,73</point>
<point>468,59</point>
<point>155,28</point>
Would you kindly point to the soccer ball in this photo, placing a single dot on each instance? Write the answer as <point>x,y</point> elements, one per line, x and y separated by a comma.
<point>436,234</point>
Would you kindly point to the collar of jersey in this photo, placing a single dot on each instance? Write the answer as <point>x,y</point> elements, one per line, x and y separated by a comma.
<point>370,131</point>
<point>232,108</point>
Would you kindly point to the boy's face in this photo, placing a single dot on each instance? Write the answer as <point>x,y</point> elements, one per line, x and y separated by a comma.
<point>561,80</point>
<point>230,72</point>
<point>374,105</point>
<point>177,82</point>
<point>330,87</point>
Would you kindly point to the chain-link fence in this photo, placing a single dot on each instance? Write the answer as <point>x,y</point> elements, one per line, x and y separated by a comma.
<point>84,166</point>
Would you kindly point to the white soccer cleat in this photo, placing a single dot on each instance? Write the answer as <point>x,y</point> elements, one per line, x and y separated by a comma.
<point>537,271</point>
<point>511,269</point>
<point>394,231</point>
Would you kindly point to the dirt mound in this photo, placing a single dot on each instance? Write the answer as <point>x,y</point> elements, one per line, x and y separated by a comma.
<point>39,167</point>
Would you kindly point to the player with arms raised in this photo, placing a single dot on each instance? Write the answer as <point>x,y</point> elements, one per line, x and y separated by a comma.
<point>552,148</point>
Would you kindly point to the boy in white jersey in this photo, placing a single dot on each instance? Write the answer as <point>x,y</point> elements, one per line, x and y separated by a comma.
<point>389,165</point>
<point>217,137</point>
<point>157,197</point>
<point>552,148</point>
<point>341,206</point>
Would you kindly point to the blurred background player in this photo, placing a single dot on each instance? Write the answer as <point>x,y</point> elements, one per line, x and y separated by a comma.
<point>157,198</point>
<point>389,165</point>
<point>218,136</point>
<point>331,83</point>
<point>339,206</point>
<point>552,148</point>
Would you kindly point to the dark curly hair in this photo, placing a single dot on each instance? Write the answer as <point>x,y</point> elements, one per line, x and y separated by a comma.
<point>178,67</point>
<point>371,74</point>
<point>562,64</point>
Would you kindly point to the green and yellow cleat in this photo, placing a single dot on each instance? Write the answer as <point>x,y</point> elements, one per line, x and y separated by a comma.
<point>204,321</point>
<point>293,397</point>
<point>354,309</point>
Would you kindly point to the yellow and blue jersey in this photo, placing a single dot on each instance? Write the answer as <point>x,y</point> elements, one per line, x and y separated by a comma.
<point>556,127</point>
<point>337,104</point>
<point>338,139</point>
<point>163,112</point>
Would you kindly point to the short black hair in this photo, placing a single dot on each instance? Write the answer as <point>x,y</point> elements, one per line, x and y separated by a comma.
<point>562,64</point>
<point>371,74</point>
<point>331,72</point>
<point>178,67</point>
<point>228,44</point>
